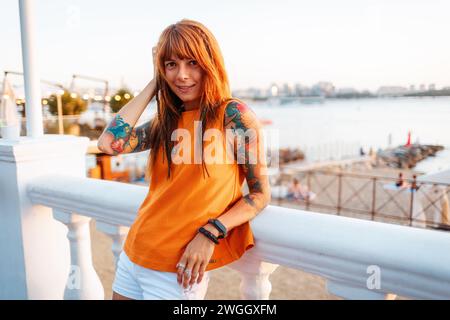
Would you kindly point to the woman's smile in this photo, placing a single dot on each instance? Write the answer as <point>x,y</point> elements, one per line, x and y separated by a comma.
<point>185,89</point>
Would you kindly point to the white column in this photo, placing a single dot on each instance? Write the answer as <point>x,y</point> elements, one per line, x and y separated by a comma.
<point>33,107</point>
<point>118,235</point>
<point>255,283</point>
<point>34,251</point>
<point>83,282</point>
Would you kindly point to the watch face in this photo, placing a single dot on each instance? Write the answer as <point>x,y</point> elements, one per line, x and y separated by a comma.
<point>219,226</point>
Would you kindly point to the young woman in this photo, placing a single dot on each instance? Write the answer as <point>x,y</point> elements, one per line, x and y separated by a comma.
<point>195,217</point>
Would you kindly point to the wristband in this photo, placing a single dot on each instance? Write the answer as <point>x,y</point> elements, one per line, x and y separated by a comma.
<point>220,227</point>
<point>209,235</point>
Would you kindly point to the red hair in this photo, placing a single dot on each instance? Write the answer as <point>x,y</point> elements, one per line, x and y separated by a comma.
<point>186,39</point>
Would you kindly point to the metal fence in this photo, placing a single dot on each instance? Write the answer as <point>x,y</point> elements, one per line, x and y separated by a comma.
<point>419,204</point>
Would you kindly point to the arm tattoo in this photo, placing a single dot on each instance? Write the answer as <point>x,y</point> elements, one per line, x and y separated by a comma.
<point>243,121</point>
<point>127,139</point>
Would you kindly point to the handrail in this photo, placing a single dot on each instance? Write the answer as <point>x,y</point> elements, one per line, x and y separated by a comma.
<point>95,198</point>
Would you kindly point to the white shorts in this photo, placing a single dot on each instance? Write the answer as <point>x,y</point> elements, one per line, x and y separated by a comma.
<point>139,283</point>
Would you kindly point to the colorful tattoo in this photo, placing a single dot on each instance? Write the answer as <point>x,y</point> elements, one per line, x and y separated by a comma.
<point>127,139</point>
<point>241,120</point>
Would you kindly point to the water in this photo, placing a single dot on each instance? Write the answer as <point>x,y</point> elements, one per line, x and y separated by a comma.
<point>339,128</point>
<point>376,123</point>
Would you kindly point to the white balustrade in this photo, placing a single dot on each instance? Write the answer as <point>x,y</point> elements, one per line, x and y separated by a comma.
<point>118,235</point>
<point>255,284</point>
<point>83,282</point>
<point>43,181</point>
<point>35,243</point>
<point>359,259</point>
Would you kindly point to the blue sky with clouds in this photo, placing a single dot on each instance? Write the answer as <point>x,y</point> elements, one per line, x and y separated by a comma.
<point>353,43</point>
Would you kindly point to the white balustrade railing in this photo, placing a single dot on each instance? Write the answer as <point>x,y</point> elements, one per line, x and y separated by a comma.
<point>83,282</point>
<point>359,259</point>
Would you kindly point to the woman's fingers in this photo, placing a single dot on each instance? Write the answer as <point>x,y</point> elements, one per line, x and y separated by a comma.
<point>180,269</point>
<point>195,272</point>
<point>188,272</point>
<point>201,272</point>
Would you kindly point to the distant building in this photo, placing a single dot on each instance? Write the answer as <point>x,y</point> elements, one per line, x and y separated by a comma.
<point>422,88</point>
<point>285,90</point>
<point>301,90</point>
<point>249,93</point>
<point>323,88</point>
<point>344,91</point>
<point>274,90</point>
<point>391,91</point>
<point>431,87</point>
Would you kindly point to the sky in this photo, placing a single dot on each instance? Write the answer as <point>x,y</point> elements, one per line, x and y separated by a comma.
<point>362,44</point>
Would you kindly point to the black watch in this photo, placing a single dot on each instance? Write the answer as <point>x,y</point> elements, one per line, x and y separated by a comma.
<point>220,227</point>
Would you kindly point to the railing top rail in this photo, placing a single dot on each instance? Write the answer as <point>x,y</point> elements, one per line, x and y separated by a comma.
<point>109,201</point>
<point>343,248</point>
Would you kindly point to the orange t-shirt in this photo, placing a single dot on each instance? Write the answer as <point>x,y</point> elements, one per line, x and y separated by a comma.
<point>175,208</point>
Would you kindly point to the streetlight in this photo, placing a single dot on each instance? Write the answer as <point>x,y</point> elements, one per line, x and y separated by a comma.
<point>59,93</point>
<point>105,102</point>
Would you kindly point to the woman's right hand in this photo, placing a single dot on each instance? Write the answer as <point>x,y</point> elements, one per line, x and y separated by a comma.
<point>105,143</point>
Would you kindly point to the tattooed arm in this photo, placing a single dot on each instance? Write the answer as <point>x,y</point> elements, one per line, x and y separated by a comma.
<point>123,139</point>
<point>248,146</point>
<point>120,136</point>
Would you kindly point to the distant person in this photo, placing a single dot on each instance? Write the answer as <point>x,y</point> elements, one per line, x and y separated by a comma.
<point>400,183</point>
<point>195,217</point>
<point>361,152</point>
<point>298,192</point>
<point>414,185</point>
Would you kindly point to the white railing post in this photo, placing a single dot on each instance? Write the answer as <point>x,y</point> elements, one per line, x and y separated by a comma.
<point>117,234</point>
<point>30,69</point>
<point>255,283</point>
<point>83,282</point>
<point>35,245</point>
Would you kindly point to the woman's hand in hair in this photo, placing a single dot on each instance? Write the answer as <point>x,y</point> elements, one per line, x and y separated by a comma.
<point>195,258</point>
<point>154,61</point>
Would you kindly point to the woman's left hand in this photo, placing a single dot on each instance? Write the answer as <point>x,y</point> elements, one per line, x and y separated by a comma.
<point>195,259</point>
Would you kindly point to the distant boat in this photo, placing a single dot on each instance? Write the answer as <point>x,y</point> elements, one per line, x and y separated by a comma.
<point>302,100</point>
<point>312,99</point>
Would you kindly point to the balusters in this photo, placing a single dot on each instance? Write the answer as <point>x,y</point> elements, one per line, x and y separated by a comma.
<point>83,282</point>
<point>255,283</point>
<point>118,235</point>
